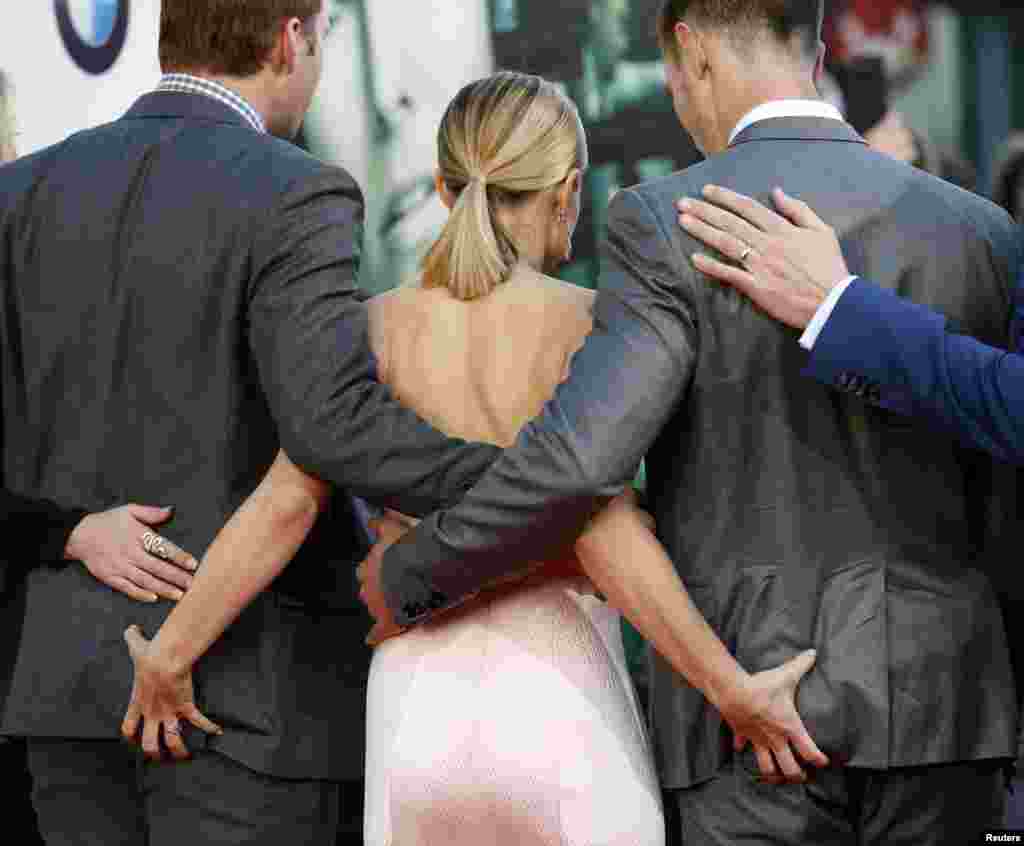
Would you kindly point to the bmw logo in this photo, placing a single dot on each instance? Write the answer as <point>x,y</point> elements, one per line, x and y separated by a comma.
<point>93,31</point>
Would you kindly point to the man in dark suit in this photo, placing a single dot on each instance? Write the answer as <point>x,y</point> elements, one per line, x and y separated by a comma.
<point>907,357</point>
<point>798,517</point>
<point>179,302</point>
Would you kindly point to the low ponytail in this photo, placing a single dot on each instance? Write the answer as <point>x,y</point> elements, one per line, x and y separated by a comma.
<point>473,255</point>
<point>502,138</point>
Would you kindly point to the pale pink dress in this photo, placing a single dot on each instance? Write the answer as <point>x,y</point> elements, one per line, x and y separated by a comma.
<point>513,721</point>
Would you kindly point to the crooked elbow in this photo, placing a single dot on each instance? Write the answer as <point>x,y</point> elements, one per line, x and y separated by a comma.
<point>292,511</point>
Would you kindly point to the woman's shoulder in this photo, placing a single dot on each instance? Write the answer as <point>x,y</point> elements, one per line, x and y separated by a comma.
<point>560,290</point>
<point>395,299</point>
<point>566,309</point>
<point>579,301</point>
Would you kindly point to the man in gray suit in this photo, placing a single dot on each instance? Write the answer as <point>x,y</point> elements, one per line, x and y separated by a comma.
<point>179,301</point>
<point>799,516</point>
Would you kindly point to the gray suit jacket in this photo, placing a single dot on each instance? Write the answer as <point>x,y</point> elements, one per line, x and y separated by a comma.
<point>798,515</point>
<point>177,301</point>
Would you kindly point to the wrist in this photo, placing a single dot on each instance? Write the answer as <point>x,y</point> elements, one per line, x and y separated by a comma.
<point>728,690</point>
<point>175,654</point>
<point>75,546</point>
<point>813,305</point>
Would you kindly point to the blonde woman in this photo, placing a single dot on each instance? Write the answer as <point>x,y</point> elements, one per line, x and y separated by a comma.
<point>512,720</point>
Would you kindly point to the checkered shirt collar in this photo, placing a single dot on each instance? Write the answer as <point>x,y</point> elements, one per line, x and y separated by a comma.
<point>188,84</point>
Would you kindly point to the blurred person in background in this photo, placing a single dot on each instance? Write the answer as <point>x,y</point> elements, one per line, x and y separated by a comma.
<point>877,50</point>
<point>7,130</point>
<point>1008,177</point>
<point>896,138</point>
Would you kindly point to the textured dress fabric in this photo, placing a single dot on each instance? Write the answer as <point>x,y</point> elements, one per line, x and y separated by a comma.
<point>511,720</point>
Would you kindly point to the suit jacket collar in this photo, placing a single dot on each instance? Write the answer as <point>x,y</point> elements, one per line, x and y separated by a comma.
<point>798,129</point>
<point>173,104</point>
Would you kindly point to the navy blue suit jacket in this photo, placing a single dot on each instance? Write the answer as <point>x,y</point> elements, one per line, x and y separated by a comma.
<point>910,359</point>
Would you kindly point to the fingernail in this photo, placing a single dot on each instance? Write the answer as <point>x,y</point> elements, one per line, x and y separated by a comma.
<point>152,597</point>
<point>178,595</point>
<point>685,205</point>
<point>699,258</point>
<point>168,508</point>
<point>193,564</point>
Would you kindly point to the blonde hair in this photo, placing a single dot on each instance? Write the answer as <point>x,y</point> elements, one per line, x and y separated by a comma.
<point>502,138</point>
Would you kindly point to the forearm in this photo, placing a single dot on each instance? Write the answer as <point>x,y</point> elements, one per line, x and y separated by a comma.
<point>952,381</point>
<point>629,566</point>
<point>985,386</point>
<point>364,440</point>
<point>246,556</point>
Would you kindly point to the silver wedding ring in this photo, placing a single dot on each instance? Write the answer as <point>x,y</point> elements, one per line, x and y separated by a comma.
<point>746,253</point>
<point>155,545</point>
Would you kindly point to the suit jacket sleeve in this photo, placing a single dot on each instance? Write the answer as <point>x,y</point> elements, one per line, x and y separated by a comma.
<point>37,531</point>
<point>921,368</point>
<point>587,443</point>
<point>309,336</point>
<point>42,528</point>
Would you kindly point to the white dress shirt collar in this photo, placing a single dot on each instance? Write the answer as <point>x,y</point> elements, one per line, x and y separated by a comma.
<point>786,108</point>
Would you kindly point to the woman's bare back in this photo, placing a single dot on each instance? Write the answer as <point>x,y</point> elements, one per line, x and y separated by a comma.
<point>481,369</point>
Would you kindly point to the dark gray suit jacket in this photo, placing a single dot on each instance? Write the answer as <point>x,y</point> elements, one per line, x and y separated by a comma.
<point>798,515</point>
<point>178,301</point>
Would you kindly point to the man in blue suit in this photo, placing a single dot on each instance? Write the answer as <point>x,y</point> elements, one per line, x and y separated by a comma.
<point>896,354</point>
